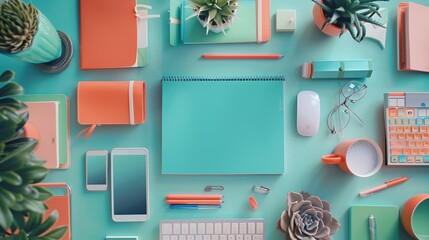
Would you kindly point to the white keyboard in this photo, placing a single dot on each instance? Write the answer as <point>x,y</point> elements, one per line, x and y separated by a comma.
<point>212,229</point>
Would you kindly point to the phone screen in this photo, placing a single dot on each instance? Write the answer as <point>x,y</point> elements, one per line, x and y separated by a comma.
<point>96,170</point>
<point>129,184</point>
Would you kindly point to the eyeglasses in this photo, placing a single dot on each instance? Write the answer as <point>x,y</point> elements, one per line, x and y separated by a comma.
<point>339,116</point>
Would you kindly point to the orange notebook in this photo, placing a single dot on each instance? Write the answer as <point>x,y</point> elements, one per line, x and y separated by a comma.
<point>111,34</point>
<point>113,102</point>
<point>413,37</point>
<point>43,126</point>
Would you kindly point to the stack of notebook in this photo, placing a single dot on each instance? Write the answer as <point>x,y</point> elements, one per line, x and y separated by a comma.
<point>413,37</point>
<point>48,123</point>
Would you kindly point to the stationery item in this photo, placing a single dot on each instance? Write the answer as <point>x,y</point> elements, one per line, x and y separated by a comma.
<point>112,102</point>
<point>261,189</point>
<point>415,216</point>
<point>371,223</point>
<point>337,69</point>
<point>376,32</point>
<point>196,201</point>
<point>63,125</point>
<point>386,219</point>
<point>195,206</point>
<point>387,184</point>
<point>113,34</point>
<point>407,128</point>
<point>361,157</point>
<point>252,228</point>
<point>307,113</point>
<point>242,56</point>
<point>42,125</point>
<point>194,197</point>
<point>223,125</point>
<point>60,202</point>
<point>285,20</point>
<point>413,37</point>
<point>251,24</point>
<point>212,188</point>
<point>253,203</point>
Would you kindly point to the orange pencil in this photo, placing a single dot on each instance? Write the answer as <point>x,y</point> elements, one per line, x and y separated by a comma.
<point>201,202</point>
<point>242,56</point>
<point>194,196</point>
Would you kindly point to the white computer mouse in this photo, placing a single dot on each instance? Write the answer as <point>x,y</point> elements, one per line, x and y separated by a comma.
<point>307,113</point>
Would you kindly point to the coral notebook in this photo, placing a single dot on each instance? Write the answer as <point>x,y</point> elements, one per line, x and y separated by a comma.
<point>223,125</point>
<point>413,37</point>
<point>252,24</point>
<point>111,35</point>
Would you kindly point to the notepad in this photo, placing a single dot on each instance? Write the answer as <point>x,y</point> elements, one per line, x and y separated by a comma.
<point>223,125</point>
<point>43,118</point>
<point>251,24</point>
<point>413,37</point>
<point>111,35</point>
<point>386,219</point>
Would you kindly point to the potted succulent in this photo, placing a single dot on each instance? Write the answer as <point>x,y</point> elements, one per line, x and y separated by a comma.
<point>214,15</point>
<point>334,17</point>
<point>21,203</point>
<point>307,217</point>
<point>26,34</point>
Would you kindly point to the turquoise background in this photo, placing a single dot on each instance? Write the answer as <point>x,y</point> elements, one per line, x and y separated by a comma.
<point>91,210</point>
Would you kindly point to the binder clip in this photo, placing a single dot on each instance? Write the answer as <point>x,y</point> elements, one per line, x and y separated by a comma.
<point>261,189</point>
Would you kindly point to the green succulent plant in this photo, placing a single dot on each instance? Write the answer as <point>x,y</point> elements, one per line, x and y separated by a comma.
<point>18,25</point>
<point>214,12</point>
<point>21,203</point>
<point>350,15</point>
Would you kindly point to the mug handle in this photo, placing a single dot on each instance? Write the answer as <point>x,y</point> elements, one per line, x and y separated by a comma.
<point>331,159</point>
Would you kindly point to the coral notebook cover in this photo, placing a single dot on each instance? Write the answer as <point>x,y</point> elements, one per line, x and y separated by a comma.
<point>113,102</point>
<point>43,119</point>
<point>252,24</point>
<point>111,36</point>
<point>413,37</point>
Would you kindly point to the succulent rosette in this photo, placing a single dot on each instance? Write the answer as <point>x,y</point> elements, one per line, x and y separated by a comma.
<point>307,217</point>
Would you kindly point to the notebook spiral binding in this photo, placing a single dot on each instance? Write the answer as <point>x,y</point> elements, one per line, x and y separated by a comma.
<point>241,78</point>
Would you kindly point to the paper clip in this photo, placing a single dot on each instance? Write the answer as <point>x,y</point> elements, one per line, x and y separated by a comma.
<point>212,188</point>
<point>261,189</point>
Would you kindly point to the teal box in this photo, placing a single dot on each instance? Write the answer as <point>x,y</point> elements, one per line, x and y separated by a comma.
<point>342,69</point>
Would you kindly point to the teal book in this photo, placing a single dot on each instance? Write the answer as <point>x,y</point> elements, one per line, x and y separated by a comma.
<point>223,125</point>
<point>386,222</point>
<point>251,24</point>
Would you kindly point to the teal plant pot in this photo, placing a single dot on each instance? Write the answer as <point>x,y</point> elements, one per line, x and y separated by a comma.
<point>46,45</point>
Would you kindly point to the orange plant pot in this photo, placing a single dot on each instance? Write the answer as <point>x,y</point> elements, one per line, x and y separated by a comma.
<point>319,18</point>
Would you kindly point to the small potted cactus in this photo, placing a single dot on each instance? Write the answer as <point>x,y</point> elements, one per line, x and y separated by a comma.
<point>307,217</point>
<point>214,15</point>
<point>334,17</point>
<point>26,34</point>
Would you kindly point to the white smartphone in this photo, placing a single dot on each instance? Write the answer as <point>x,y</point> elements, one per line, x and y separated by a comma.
<point>96,170</point>
<point>130,184</point>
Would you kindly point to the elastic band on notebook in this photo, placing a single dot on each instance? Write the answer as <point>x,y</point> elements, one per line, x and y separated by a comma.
<point>131,101</point>
<point>89,131</point>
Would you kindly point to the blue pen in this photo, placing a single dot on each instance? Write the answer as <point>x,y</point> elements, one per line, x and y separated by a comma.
<point>194,206</point>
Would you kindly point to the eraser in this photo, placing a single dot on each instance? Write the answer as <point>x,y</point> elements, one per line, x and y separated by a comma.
<point>285,20</point>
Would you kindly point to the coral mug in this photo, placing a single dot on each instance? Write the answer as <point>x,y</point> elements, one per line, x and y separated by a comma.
<point>415,216</point>
<point>361,157</point>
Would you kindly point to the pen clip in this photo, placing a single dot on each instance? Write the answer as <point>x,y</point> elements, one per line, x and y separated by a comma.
<point>392,180</point>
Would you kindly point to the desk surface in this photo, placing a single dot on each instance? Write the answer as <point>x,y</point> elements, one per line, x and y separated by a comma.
<point>91,210</point>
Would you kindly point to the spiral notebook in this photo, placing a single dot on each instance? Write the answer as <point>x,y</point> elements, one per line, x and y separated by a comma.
<point>223,125</point>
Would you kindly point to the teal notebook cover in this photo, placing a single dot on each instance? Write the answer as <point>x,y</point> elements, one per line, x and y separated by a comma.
<point>243,29</point>
<point>386,222</point>
<point>223,126</point>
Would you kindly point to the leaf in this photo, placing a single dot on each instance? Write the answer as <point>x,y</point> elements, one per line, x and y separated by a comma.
<point>33,174</point>
<point>13,163</point>
<point>6,217</point>
<point>33,205</point>
<point>212,15</point>
<point>49,222</point>
<point>44,194</point>
<point>11,89</point>
<point>6,197</point>
<point>34,219</point>
<point>12,103</point>
<point>12,178</point>
<point>7,75</point>
<point>56,233</point>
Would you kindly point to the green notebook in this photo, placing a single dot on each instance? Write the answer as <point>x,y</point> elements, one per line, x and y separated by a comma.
<point>386,219</point>
<point>251,24</point>
<point>223,125</point>
<point>63,122</point>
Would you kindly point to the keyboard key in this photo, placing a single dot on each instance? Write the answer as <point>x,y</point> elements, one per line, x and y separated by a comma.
<point>193,228</point>
<point>402,159</point>
<point>243,228</point>
<point>393,159</point>
<point>391,121</point>
<point>185,228</point>
<point>409,112</point>
<point>199,237</point>
<point>401,135</point>
<point>425,135</point>
<point>409,136</point>
<point>215,237</point>
<point>422,151</point>
<point>426,158</point>
<point>209,228</point>
<point>419,159</point>
<point>401,112</point>
<point>239,237</point>
<point>259,228</point>
<point>207,237</point>
<point>247,237</point>
<point>410,159</point>
<point>393,136</point>
<point>422,128</point>
<point>251,228</point>
<point>406,151</point>
<point>399,128</point>
<point>183,237</point>
<point>201,228</point>
<point>191,237</point>
<point>226,228</point>
<point>176,228</point>
<point>411,143</point>
<point>396,151</point>
<point>174,237</point>
<point>407,128</point>
<point>167,228</point>
<point>414,128</point>
<point>414,151</point>
<point>419,143</point>
<point>231,237</point>
<point>223,237</point>
<point>393,102</point>
<point>218,228</point>
<point>422,112</point>
<point>401,102</point>
<point>393,112</point>
<point>417,136</point>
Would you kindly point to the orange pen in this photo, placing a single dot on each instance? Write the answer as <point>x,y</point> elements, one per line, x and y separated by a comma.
<point>200,202</point>
<point>387,184</point>
<point>194,197</point>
